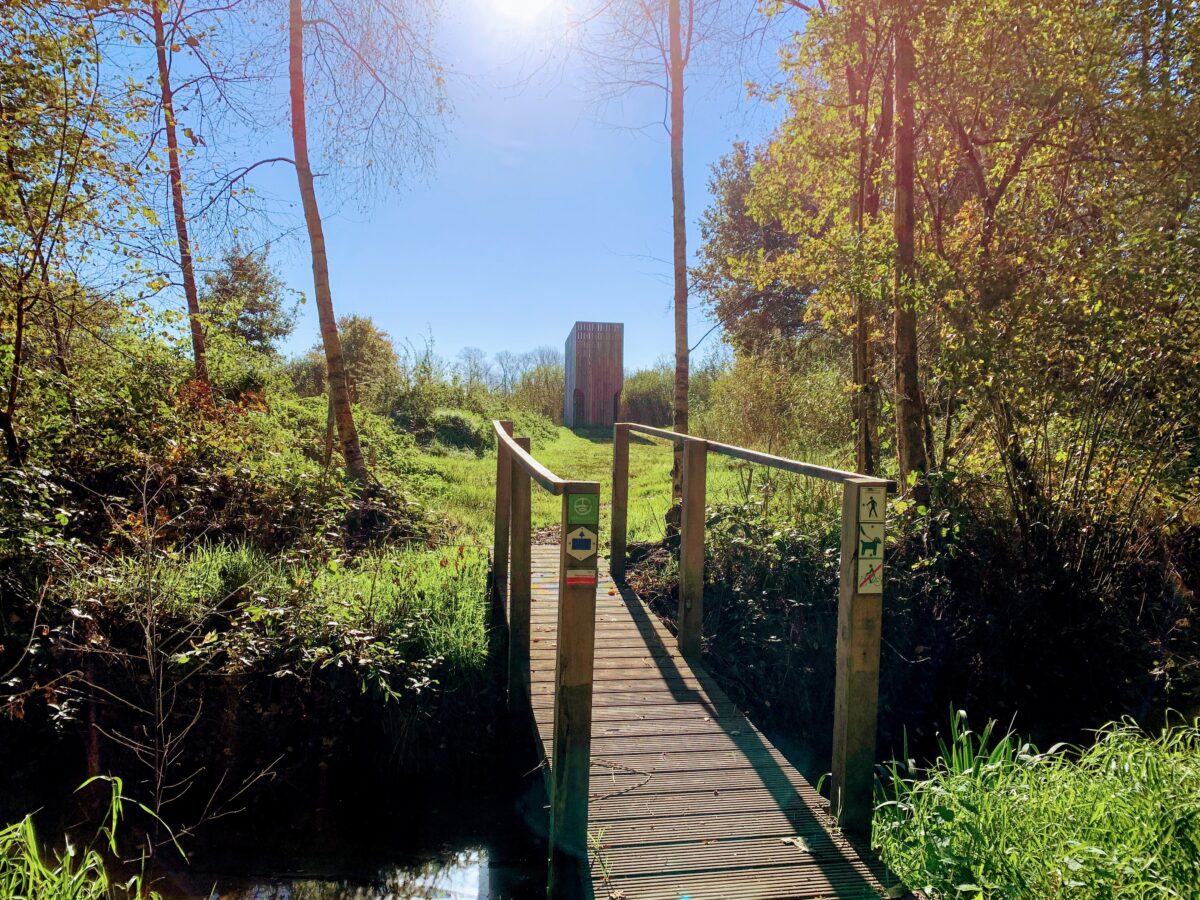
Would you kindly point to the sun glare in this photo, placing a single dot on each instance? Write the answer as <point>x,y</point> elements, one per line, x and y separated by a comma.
<point>523,10</point>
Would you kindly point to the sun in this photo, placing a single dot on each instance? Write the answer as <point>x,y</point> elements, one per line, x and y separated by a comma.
<point>522,10</point>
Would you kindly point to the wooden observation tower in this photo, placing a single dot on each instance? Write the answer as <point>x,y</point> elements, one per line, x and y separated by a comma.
<point>595,374</point>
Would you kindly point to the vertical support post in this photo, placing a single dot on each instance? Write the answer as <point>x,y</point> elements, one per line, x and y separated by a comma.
<point>856,688</point>
<point>503,503</point>
<point>691,547</point>
<point>571,761</point>
<point>620,501</point>
<point>520,582</point>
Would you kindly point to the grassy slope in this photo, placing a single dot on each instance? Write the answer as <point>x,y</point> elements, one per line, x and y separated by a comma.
<point>464,488</point>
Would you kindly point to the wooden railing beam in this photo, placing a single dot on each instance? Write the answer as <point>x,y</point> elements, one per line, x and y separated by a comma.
<point>520,586</point>
<point>570,768</point>
<point>503,514</point>
<point>619,520</point>
<point>856,682</point>
<point>534,469</point>
<point>691,548</point>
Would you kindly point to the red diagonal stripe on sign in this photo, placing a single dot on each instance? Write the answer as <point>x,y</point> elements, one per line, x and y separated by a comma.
<point>871,574</point>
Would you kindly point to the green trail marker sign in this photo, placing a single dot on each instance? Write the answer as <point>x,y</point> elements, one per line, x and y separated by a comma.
<point>583,509</point>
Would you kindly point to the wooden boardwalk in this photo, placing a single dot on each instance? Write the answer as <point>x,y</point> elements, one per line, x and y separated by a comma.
<point>687,798</point>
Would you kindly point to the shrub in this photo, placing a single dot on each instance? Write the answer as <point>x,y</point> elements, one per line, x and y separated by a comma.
<point>648,395</point>
<point>461,430</point>
<point>788,398</point>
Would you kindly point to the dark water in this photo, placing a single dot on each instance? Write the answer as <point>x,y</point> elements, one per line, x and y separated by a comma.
<point>468,874</point>
<point>473,831</point>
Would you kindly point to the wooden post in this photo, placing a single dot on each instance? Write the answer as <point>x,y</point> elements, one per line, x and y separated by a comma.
<point>520,582</point>
<point>503,502</point>
<point>571,763</point>
<point>620,501</point>
<point>691,547</point>
<point>856,690</point>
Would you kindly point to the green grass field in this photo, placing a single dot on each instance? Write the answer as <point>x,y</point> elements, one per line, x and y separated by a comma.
<point>464,488</point>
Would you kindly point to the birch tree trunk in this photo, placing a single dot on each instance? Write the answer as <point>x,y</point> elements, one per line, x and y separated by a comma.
<point>679,223</point>
<point>199,355</point>
<point>339,393</point>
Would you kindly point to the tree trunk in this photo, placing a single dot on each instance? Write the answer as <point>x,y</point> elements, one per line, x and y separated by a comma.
<point>910,433</point>
<point>176,178</point>
<point>679,225</point>
<point>339,394</point>
<point>12,449</point>
<point>12,446</point>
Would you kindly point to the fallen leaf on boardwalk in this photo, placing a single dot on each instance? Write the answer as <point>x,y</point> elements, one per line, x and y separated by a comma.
<point>798,842</point>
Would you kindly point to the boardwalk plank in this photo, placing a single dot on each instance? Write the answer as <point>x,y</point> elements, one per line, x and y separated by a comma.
<point>687,798</point>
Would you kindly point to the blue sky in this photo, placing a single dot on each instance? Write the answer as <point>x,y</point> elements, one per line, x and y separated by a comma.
<point>544,206</point>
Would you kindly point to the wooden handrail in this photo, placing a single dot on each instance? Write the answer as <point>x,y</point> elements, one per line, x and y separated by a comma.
<point>838,476</point>
<point>579,529</point>
<point>673,436</point>
<point>534,469</point>
<point>860,595</point>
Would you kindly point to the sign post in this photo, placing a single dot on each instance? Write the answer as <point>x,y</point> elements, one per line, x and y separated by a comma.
<point>860,621</point>
<point>571,763</point>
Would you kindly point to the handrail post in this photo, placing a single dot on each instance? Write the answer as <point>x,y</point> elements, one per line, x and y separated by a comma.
<point>620,501</point>
<point>503,512</point>
<point>520,583</point>
<point>571,763</point>
<point>860,622</point>
<point>691,547</point>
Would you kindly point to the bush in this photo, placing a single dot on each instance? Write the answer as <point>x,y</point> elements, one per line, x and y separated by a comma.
<point>1061,655</point>
<point>648,395</point>
<point>461,430</point>
<point>788,398</point>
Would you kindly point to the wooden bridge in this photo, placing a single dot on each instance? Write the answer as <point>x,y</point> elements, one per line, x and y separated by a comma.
<point>659,786</point>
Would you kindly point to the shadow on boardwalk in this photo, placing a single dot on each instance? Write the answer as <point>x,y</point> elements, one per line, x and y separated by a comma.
<point>836,858</point>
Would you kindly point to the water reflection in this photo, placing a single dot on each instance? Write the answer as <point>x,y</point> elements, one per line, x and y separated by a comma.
<point>458,876</point>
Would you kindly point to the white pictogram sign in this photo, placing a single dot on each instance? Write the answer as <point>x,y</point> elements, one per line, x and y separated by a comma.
<point>872,508</point>
<point>872,504</point>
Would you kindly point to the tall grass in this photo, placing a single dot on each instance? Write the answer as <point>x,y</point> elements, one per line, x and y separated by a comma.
<point>438,596</point>
<point>29,872</point>
<point>993,817</point>
<point>429,601</point>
